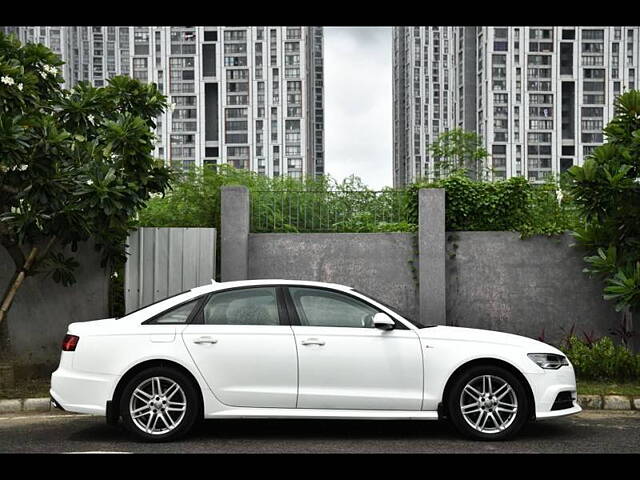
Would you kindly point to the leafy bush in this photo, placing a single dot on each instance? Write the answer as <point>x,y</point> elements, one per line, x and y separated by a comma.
<point>550,210</point>
<point>602,360</point>
<point>606,189</point>
<point>284,204</point>
<point>504,205</point>
<point>280,204</point>
<point>457,150</point>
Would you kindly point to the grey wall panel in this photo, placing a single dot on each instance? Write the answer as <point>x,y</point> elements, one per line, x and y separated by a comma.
<point>174,262</point>
<point>529,287</point>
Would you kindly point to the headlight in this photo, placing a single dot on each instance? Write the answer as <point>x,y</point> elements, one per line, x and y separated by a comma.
<point>548,361</point>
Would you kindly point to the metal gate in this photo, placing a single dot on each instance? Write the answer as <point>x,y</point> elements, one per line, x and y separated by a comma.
<point>166,261</point>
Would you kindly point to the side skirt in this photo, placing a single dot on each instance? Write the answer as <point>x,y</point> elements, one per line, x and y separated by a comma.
<point>323,413</point>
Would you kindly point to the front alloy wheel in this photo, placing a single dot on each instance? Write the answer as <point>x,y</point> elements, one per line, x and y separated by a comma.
<point>159,404</point>
<point>488,403</point>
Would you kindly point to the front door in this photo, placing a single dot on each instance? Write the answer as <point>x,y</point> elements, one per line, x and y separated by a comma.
<point>347,363</point>
<point>246,355</point>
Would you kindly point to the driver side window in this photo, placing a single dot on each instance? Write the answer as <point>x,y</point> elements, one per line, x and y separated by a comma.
<point>323,308</point>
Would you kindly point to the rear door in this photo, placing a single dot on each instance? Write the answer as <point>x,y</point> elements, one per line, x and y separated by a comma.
<point>244,348</point>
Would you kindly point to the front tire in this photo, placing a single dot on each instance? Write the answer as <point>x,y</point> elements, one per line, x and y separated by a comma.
<point>488,402</point>
<point>159,404</point>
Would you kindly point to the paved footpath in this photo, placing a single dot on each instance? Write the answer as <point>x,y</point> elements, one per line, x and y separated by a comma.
<point>595,431</point>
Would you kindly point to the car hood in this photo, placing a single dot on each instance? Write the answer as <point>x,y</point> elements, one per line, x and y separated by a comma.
<point>478,335</point>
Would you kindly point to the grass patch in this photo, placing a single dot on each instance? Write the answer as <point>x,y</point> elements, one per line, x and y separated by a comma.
<point>35,388</point>
<point>604,388</point>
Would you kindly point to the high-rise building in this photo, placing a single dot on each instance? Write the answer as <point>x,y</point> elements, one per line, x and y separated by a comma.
<point>252,97</point>
<point>423,97</point>
<point>538,97</point>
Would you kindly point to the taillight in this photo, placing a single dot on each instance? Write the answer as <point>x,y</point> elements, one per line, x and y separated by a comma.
<point>70,343</point>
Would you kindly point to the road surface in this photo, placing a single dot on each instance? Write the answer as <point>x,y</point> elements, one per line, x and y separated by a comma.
<point>587,432</point>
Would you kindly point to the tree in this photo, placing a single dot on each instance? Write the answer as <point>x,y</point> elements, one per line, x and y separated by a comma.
<point>74,165</point>
<point>458,149</point>
<point>607,191</point>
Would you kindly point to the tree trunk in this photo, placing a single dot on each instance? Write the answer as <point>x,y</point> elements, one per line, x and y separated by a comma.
<point>628,326</point>
<point>16,283</point>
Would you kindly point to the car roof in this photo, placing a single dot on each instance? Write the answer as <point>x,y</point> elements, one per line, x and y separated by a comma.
<point>214,286</point>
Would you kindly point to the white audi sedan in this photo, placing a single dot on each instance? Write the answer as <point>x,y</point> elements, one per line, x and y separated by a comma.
<point>297,349</point>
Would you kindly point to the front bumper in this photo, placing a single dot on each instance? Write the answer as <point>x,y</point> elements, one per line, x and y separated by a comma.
<point>559,413</point>
<point>546,385</point>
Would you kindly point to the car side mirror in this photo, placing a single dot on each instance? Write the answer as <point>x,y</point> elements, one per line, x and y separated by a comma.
<point>383,321</point>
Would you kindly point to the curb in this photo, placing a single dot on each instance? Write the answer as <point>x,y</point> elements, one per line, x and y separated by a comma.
<point>18,405</point>
<point>609,402</point>
<point>587,402</point>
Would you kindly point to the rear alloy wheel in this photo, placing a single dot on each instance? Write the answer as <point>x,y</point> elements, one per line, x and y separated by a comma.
<point>488,403</point>
<point>159,404</point>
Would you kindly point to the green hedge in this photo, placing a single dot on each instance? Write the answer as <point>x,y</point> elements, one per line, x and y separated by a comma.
<point>602,360</point>
<point>280,204</point>
<point>505,205</point>
<point>290,205</point>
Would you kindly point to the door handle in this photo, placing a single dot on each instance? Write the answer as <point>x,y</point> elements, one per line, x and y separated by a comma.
<point>205,340</point>
<point>312,341</point>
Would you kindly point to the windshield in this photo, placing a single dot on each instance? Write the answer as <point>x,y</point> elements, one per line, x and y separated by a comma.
<point>394,310</point>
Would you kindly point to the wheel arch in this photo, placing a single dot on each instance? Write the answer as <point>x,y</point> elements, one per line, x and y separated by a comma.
<point>113,406</point>
<point>442,407</point>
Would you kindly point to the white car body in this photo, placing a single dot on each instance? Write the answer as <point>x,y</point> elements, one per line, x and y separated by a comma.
<point>298,371</point>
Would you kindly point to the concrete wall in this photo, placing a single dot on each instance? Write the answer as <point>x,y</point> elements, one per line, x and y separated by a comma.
<point>494,280</point>
<point>490,280</point>
<point>374,263</point>
<point>498,281</point>
<point>42,309</point>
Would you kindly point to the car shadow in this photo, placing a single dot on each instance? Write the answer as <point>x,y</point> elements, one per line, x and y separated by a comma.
<point>267,431</point>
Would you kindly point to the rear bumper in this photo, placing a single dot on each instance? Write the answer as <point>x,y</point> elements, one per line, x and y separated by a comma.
<point>81,392</point>
<point>55,403</point>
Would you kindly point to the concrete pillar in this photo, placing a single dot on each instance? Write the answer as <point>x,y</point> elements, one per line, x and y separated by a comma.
<point>431,244</point>
<point>234,233</point>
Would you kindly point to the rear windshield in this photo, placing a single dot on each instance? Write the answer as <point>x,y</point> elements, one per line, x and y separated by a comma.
<point>154,303</point>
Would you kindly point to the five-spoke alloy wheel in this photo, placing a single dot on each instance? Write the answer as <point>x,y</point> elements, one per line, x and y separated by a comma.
<point>159,404</point>
<point>488,403</point>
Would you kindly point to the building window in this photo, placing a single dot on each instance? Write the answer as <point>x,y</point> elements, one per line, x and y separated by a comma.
<point>235,35</point>
<point>501,33</point>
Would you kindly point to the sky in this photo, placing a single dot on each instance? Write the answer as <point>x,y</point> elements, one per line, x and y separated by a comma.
<point>358,104</point>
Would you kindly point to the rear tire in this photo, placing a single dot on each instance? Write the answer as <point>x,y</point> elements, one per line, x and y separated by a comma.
<point>159,404</point>
<point>487,402</point>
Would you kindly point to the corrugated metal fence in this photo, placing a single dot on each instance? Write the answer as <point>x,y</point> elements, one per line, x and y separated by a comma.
<point>166,261</point>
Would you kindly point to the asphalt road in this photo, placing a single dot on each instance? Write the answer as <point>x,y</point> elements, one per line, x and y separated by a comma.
<point>588,432</point>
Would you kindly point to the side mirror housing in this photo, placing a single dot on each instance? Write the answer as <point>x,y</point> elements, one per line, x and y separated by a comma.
<point>383,321</point>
